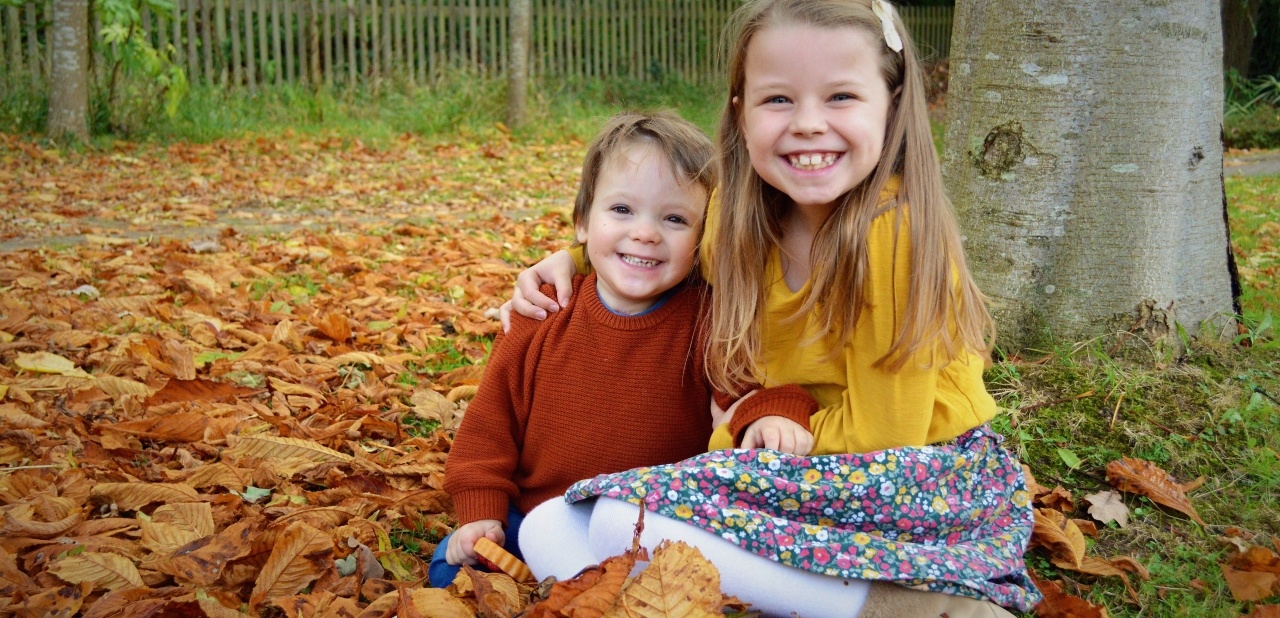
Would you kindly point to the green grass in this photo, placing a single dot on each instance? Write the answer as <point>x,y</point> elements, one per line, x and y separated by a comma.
<point>1211,412</point>
<point>457,105</point>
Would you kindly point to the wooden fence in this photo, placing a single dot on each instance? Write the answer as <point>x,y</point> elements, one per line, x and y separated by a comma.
<point>260,42</point>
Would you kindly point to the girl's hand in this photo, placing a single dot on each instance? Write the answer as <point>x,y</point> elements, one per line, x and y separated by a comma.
<point>462,543</point>
<point>720,417</point>
<point>779,434</point>
<point>528,300</point>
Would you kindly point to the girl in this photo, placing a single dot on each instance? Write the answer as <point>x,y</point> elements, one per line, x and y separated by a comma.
<point>836,264</point>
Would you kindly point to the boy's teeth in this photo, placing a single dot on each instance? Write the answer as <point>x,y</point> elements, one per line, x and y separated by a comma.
<point>630,259</point>
<point>812,161</point>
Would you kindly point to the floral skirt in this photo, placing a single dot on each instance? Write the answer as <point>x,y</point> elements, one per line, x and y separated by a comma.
<point>953,517</point>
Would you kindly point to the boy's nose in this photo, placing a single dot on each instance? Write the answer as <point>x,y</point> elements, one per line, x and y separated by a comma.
<point>645,232</point>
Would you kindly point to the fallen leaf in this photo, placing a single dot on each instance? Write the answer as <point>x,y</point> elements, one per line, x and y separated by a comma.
<point>1054,532</point>
<point>45,362</point>
<point>1108,506</point>
<point>678,582</point>
<point>1138,476</point>
<point>102,570</point>
<point>299,556</point>
<point>1248,585</point>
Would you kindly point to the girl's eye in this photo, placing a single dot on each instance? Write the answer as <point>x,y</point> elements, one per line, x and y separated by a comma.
<point>843,96</point>
<point>621,209</point>
<point>678,220</point>
<point>776,100</point>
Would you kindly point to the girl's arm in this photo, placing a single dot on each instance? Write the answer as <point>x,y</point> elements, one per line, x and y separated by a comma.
<point>528,300</point>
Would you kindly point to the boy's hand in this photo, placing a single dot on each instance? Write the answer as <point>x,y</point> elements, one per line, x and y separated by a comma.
<point>462,543</point>
<point>779,434</point>
<point>528,300</point>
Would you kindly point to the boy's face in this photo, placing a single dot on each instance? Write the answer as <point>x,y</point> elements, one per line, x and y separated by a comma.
<point>641,233</point>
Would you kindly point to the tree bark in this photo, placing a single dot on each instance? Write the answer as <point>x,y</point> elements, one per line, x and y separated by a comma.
<point>69,95</point>
<point>1084,158</point>
<point>518,70</point>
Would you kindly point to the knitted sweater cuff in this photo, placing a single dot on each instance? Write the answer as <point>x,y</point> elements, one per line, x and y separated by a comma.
<point>480,504</point>
<point>790,402</point>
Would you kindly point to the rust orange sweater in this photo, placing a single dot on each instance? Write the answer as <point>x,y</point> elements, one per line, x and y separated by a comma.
<point>582,393</point>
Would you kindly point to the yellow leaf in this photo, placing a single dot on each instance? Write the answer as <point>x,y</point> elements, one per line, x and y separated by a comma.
<point>678,582</point>
<point>301,553</point>
<point>433,602</point>
<point>45,362</point>
<point>270,447</point>
<point>132,496</point>
<point>103,570</point>
<point>196,516</point>
<point>1061,536</point>
<point>116,387</point>
<point>162,538</point>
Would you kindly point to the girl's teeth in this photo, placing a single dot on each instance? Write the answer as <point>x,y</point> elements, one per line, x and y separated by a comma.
<point>812,161</point>
<point>639,262</point>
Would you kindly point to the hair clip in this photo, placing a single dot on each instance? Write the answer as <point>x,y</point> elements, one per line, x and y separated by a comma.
<point>884,11</point>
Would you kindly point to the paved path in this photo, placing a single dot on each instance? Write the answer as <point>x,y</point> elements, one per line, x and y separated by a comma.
<point>1260,163</point>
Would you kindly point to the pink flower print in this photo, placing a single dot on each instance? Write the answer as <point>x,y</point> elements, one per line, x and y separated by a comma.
<point>821,555</point>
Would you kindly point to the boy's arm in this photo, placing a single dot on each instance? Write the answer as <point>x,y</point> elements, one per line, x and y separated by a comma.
<point>789,402</point>
<point>482,460</point>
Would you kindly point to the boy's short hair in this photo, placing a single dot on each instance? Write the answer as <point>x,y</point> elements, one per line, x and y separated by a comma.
<point>686,147</point>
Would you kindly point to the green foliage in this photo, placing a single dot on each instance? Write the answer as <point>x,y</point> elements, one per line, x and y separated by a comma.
<point>1253,209</point>
<point>1251,111</point>
<point>140,81</point>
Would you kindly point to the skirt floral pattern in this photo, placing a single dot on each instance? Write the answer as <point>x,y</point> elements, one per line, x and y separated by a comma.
<point>952,518</point>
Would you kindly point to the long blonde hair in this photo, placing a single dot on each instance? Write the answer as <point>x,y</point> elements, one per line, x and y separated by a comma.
<point>945,314</point>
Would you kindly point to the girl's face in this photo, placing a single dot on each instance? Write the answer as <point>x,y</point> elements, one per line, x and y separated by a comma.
<point>642,230</point>
<point>814,109</point>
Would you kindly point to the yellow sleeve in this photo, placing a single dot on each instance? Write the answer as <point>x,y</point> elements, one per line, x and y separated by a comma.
<point>579,254</point>
<point>917,405</point>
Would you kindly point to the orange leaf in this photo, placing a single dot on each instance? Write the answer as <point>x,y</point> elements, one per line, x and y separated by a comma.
<point>1058,604</point>
<point>1248,585</point>
<point>176,390</point>
<point>1138,476</point>
<point>334,325</point>
<point>299,556</point>
<point>1053,531</point>
<point>1264,611</point>
<point>180,427</point>
<point>678,582</point>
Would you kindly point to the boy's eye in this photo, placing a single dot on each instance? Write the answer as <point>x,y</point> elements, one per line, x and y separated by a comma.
<point>621,209</point>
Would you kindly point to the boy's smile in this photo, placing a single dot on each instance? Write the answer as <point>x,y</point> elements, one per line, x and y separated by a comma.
<point>641,233</point>
<point>814,108</point>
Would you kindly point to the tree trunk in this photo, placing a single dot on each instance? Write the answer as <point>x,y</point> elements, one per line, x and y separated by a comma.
<point>1084,158</point>
<point>1239,25</point>
<point>518,70</point>
<point>69,96</point>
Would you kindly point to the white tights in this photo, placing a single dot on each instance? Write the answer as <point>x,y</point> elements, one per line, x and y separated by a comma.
<point>562,539</point>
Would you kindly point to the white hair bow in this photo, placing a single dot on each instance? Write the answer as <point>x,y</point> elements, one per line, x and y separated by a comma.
<point>885,12</point>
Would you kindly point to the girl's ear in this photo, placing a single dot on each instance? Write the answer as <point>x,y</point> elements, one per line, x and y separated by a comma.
<point>735,101</point>
<point>581,232</point>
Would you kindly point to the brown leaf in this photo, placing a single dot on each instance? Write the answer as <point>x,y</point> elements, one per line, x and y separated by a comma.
<point>132,496</point>
<point>199,390</point>
<point>1107,506</point>
<point>334,325</point>
<point>102,570</point>
<point>432,602</point>
<point>497,595</point>
<point>179,427</point>
<point>271,447</point>
<point>1248,585</point>
<point>1264,611</point>
<point>678,582</point>
<point>1058,604</point>
<point>301,553</point>
<point>1053,531</point>
<point>1144,478</point>
<point>53,603</point>
<point>204,561</point>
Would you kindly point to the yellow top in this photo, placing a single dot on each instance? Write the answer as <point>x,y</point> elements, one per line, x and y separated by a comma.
<point>862,408</point>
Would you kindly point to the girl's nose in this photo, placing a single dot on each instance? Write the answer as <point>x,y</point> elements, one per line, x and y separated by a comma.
<point>808,119</point>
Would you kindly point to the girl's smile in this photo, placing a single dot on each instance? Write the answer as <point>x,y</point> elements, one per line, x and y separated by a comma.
<point>813,109</point>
